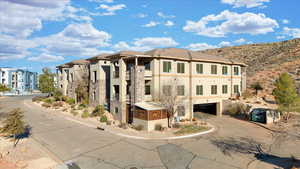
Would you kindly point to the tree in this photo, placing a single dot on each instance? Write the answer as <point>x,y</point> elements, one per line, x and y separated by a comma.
<point>14,124</point>
<point>170,100</point>
<point>82,89</point>
<point>3,88</point>
<point>256,86</point>
<point>285,93</point>
<point>46,81</point>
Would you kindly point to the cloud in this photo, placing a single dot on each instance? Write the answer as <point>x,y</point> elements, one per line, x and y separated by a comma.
<point>242,40</point>
<point>285,21</point>
<point>232,23</point>
<point>14,48</point>
<point>147,43</point>
<point>162,15</point>
<point>200,46</point>
<point>151,24</point>
<point>46,58</point>
<point>280,37</point>
<point>22,18</point>
<point>245,3</point>
<point>292,32</point>
<point>78,39</point>
<point>169,23</point>
<point>111,10</point>
<point>141,15</point>
<point>224,44</point>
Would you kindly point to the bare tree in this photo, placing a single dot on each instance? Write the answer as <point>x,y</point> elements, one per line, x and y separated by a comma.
<point>172,98</point>
<point>82,88</point>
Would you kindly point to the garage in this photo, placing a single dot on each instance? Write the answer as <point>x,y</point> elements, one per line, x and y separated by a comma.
<point>209,108</point>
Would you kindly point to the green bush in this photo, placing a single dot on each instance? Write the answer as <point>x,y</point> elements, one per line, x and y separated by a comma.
<point>57,94</point>
<point>85,114</point>
<point>70,101</point>
<point>38,98</point>
<point>49,100</point>
<point>138,127</point>
<point>81,106</point>
<point>103,119</point>
<point>98,111</point>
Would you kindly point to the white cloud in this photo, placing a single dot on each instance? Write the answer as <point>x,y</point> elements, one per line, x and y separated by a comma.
<point>169,23</point>
<point>46,58</point>
<point>224,44</point>
<point>141,15</point>
<point>148,43</point>
<point>292,32</point>
<point>231,22</point>
<point>151,24</point>
<point>285,21</point>
<point>14,48</point>
<point>75,40</point>
<point>245,3</point>
<point>242,40</point>
<point>200,46</point>
<point>22,18</point>
<point>110,10</point>
<point>280,37</point>
<point>162,15</point>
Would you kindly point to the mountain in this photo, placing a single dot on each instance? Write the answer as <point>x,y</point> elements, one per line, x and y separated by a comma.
<point>265,61</point>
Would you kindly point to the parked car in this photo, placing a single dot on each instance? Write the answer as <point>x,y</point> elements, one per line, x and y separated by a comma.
<point>264,115</point>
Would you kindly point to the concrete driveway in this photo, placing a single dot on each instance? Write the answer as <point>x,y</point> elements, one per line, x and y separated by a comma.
<point>234,144</point>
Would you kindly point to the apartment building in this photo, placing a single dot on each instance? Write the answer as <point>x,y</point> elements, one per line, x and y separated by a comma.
<point>71,74</point>
<point>20,81</point>
<point>134,84</point>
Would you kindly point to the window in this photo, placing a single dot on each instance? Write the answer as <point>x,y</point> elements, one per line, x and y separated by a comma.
<point>199,90</point>
<point>236,70</point>
<point>181,110</point>
<point>214,90</point>
<point>224,70</point>
<point>236,89</point>
<point>167,66</point>
<point>95,75</point>
<point>147,89</point>
<point>167,90</point>
<point>94,95</point>
<point>199,68</point>
<point>224,89</point>
<point>180,67</point>
<point>214,69</point>
<point>116,110</point>
<point>147,65</point>
<point>180,90</point>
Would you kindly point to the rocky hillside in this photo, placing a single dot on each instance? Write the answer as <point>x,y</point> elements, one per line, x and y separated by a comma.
<point>265,61</point>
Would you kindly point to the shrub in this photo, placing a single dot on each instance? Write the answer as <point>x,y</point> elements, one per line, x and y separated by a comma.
<point>38,98</point>
<point>194,119</point>
<point>139,127</point>
<point>238,109</point>
<point>85,114</point>
<point>47,105</point>
<point>158,127</point>
<point>81,106</point>
<point>109,122</point>
<point>49,100</point>
<point>123,126</point>
<point>57,94</point>
<point>98,111</point>
<point>103,119</point>
<point>71,101</point>
<point>57,104</point>
<point>247,94</point>
<point>75,113</point>
<point>176,125</point>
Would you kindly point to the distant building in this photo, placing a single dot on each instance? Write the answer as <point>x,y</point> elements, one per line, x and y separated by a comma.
<point>20,81</point>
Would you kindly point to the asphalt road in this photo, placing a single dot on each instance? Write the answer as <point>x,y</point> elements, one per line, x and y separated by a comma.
<point>232,146</point>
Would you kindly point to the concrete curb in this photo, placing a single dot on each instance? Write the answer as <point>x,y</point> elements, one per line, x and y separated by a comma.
<point>166,138</point>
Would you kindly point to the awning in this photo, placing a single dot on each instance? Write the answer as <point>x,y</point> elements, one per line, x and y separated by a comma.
<point>149,106</point>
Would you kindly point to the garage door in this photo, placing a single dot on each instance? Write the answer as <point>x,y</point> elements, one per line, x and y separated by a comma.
<point>210,108</point>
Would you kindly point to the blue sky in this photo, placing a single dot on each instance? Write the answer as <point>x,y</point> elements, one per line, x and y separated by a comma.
<point>36,34</point>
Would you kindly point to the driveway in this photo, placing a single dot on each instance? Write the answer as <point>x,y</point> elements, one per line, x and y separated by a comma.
<point>233,145</point>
